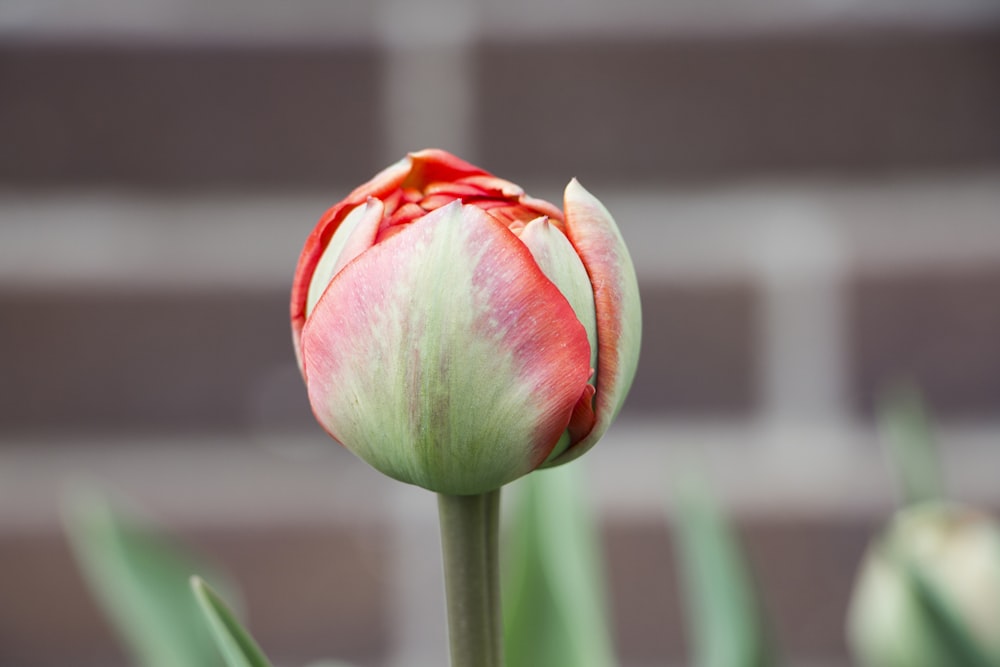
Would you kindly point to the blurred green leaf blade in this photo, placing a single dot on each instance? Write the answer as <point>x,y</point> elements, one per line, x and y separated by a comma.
<point>906,432</point>
<point>949,629</point>
<point>725,622</point>
<point>555,612</point>
<point>140,578</point>
<point>236,645</point>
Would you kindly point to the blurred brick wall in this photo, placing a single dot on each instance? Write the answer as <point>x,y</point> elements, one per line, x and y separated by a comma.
<point>710,118</point>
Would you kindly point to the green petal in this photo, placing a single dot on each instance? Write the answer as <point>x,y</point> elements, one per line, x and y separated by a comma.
<point>558,260</point>
<point>332,260</point>
<point>595,236</point>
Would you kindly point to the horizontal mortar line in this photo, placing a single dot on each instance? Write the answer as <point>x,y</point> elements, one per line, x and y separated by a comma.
<point>730,17</point>
<point>104,239</point>
<point>758,469</point>
<point>185,21</point>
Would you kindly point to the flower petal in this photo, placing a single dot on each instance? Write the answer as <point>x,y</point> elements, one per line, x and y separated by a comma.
<point>433,165</point>
<point>353,236</point>
<point>594,234</point>
<point>444,357</point>
<point>558,260</point>
<point>379,187</point>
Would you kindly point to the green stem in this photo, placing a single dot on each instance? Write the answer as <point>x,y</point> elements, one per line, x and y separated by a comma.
<point>470,527</point>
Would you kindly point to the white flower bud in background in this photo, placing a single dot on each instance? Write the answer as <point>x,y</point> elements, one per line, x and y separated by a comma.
<point>928,593</point>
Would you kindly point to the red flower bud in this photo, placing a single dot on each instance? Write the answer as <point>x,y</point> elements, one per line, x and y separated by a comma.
<point>456,333</point>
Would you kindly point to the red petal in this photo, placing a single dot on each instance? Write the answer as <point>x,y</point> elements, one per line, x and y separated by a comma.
<point>583,419</point>
<point>379,187</point>
<point>434,165</point>
<point>461,190</point>
<point>432,202</point>
<point>592,231</point>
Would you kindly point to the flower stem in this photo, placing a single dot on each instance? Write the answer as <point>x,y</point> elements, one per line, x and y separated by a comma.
<point>470,527</point>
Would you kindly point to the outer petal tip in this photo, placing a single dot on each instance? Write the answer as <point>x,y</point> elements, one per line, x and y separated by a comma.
<point>593,232</point>
<point>577,194</point>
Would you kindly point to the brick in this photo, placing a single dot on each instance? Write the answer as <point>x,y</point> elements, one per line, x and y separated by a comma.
<point>937,328</point>
<point>187,115</point>
<point>698,351</point>
<point>719,105</point>
<point>146,361</point>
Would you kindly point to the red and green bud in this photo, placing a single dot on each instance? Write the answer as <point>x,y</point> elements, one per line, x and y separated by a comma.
<point>456,333</point>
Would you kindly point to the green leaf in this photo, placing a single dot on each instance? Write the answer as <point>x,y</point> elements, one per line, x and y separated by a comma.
<point>237,646</point>
<point>725,623</point>
<point>140,577</point>
<point>906,431</point>
<point>555,612</point>
<point>949,629</point>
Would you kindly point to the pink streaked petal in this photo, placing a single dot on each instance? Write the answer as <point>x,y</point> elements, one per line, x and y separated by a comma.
<point>379,187</point>
<point>582,421</point>
<point>353,236</point>
<point>506,211</point>
<point>543,208</point>
<point>392,230</point>
<point>494,186</point>
<point>558,260</point>
<point>404,214</point>
<point>434,165</point>
<point>444,357</point>
<point>516,227</point>
<point>431,202</point>
<point>363,236</point>
<point>594,234</point>
<point>457,190</point>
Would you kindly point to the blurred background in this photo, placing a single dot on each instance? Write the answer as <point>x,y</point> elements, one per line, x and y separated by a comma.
<point>810,188</point>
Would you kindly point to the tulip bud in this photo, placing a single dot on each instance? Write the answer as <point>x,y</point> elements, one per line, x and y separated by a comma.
<point>456,333</point>
<point>928,594</point>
